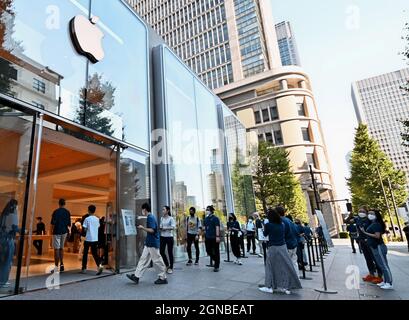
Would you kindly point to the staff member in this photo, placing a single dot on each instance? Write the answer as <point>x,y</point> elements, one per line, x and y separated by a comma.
<point>212,237</point>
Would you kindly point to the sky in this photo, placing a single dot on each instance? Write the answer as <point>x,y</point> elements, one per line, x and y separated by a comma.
<point>340,42</point>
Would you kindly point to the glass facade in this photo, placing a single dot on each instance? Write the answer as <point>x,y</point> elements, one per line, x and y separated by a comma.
<point>94,95</point>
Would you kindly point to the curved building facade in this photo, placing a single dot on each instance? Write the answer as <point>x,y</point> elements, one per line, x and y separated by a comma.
<point>279,106</point>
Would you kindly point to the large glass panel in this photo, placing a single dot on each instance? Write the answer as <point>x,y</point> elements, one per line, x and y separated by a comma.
<point>240,172</point>
<point>118,85</point>
<point>15,141</point>
<point>38,63</point>
<point>184,160</point>
<point>211,151</point>
<point>134,191</point>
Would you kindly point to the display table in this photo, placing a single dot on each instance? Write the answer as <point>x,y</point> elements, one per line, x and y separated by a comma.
<point>46,244</point>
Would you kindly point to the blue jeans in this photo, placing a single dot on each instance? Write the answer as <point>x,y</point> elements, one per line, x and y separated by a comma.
<point>379,254</point>
<point>6,263</point>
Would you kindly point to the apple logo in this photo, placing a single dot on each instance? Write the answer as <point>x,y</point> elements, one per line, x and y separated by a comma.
<point>87,37</point>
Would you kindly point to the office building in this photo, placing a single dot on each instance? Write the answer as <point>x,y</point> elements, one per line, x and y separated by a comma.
<point>221,41</point>
<point>381,104</point>
<point>287,44</point>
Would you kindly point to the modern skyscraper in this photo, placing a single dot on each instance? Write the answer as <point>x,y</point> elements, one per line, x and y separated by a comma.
<point>380,103</point>
<point>287,44</point>
<point>222,41</point>
<point>232,45</point>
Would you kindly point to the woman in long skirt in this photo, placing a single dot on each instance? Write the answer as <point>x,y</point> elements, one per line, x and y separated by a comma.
<point>280,274</point>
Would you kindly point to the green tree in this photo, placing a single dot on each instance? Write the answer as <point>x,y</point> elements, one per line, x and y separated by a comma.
<point>365,185</point>
<point>274,181</point>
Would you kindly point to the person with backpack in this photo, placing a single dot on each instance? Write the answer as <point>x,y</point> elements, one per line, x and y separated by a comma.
<point>193,230</point>
<point>166,226</point>
<point>379,250</point>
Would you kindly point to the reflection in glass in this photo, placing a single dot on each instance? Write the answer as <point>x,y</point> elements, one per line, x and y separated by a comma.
<point>15,140</point>
<point>242,182</point>
<point>134,191</point>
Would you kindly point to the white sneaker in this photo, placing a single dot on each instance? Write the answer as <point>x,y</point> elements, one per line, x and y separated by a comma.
<point>239,263</point>
<point>170,271</point>
<point>260,255</point>
<point>287,292</point>
<point>387,286</point>
<point>266,290</point>
<point>381,284</point>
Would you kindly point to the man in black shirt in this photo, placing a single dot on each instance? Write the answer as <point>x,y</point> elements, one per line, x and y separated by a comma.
<point>40,231</point>
<point>60,221</point>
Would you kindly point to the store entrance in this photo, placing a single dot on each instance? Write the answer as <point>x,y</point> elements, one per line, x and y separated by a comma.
<point>83,173</point>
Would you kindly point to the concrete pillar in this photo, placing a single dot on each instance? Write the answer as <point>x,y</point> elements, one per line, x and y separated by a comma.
<point>284,84</point>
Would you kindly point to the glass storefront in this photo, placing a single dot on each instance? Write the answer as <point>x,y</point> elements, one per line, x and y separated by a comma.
<point>91,149</point>
<point>40,66</point>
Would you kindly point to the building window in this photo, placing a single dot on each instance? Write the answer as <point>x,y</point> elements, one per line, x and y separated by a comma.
<point>266,116</point>
<point>39,85</point>
<point>260,137</point>
<point>311,160</point>
<point>278,136</point>
<point>269,137</point>
<point>274,113</point>
<point>306,134</point>
<point>301,109</point>
<point>257,117</point>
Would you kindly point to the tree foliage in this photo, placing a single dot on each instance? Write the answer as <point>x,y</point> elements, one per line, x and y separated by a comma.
<point>275,183</point>
<point>365,182</point>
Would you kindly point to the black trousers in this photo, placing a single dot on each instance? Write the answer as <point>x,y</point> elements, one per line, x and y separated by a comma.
<point>213,250</point>
<point>167,242</point>
<point>241,241</point>
<point>353,244</point>
<point>251,240</point>
<point>191,238</point>
<point>235,246</point>
<point>369,259</point>
<point>300,258</point>
<point>94,251</point>
<point>38,244</point>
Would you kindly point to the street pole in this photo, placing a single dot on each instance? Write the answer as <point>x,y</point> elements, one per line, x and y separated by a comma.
<point>386,201</point>
<point>396,208</point>
<point>324,279</point>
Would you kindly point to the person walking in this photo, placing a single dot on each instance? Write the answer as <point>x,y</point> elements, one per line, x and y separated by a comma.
<point>193,229</point>
<point>301,256</point>
<point>151,249</point>
<point>233,227</point>
<point>90,227</point>
<point>290,237</point>
<point>212,237</point>
<point>379,250</point>
<point>406,231</point>
<point>280,275</point>
<point>251,235</point>
<point>166,226</point>
<point>39,231</point>
<point>60,223</point>
<point>362,223</point>
<point>76,230</point>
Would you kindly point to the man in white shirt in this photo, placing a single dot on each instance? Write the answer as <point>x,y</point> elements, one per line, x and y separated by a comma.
<point>90,226</point>
<point>251,235</point>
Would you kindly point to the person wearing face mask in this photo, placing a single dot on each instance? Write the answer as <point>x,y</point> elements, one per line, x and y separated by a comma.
<point>379,250</point>
<point>167,225</point>
<point>233,227</point>
<point>212,237</point>
<point>362,223</point>
<point>193,229</point>
<point>251,235</point>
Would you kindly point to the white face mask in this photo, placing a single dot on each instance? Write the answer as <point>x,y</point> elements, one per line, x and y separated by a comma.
<point>362,214</point>
<point>208,213</point>
<point>372,217</point>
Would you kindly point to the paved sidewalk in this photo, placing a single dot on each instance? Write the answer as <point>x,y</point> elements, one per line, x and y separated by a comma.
<point>240,282</point>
